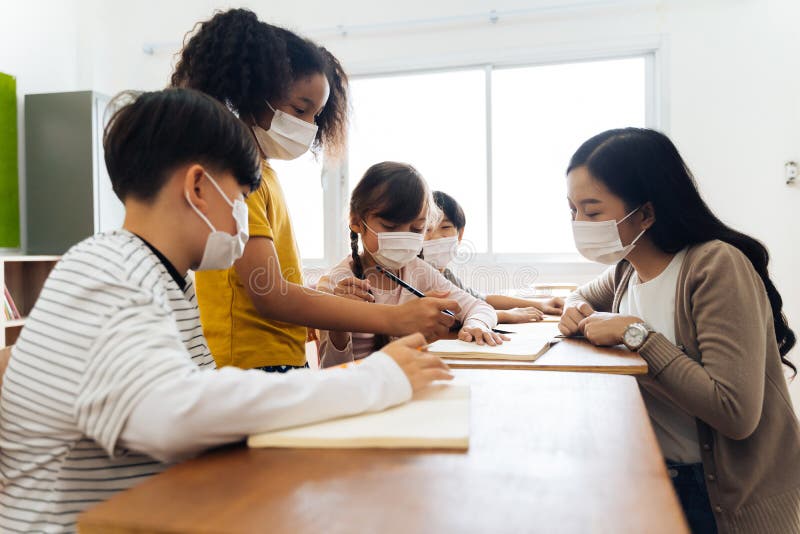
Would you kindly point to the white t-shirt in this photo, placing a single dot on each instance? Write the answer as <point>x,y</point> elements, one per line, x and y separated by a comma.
<point>654,302</point>
<point>112,377</point>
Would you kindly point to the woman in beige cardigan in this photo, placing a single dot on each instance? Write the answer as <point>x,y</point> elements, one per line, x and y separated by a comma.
<point>694,298</point>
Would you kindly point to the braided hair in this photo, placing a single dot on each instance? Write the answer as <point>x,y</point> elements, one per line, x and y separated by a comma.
<point>396,192</point>
<point>379,340</point>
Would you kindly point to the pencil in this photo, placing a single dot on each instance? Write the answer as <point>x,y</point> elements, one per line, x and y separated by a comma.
<point>408,286</point>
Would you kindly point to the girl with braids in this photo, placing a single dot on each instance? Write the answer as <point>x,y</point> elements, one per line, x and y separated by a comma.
<point>694,298</point>
<point>390,209</point>
<point>292,95</point>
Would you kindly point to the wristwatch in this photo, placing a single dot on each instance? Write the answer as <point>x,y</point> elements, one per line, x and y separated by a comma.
<point>635,335</point>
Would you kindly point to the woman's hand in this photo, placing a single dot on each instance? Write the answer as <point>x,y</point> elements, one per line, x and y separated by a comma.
<point>572,317</point>
<point>520,315</point>
<point>481,335</point>
<point>421,368</point>
<point>606,329</point>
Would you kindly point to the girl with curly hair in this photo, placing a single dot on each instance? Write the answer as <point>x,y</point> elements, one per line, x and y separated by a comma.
<point>292,95</point>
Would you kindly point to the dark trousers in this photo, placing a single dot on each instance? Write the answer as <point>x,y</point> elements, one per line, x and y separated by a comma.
<point>690,484</point>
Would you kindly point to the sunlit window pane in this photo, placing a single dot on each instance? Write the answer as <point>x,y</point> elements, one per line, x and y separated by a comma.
<point>300,180</point>
<point>540,115</point>
<point>434,121</point>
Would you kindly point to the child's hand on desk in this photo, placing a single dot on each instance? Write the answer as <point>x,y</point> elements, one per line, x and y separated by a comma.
<point>553,306</point>
<point>572,317</point>
<point>606,329</point>
<point>421,368</point>
<point>520,315</point>
<point>354,288</point>
<point>480,334</point>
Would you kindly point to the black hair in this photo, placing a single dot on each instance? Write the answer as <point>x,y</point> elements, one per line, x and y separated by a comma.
<point>392,191</point>
<point>244,62</point>
<point>642,165</point>
<point>451,209</point>
<point>152,134</point>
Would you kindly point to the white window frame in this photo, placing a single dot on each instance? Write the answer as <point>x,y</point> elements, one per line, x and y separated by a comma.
<point>336,179</point>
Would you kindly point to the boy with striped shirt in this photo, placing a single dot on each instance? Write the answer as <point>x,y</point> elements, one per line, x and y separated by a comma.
<point>111,378</point>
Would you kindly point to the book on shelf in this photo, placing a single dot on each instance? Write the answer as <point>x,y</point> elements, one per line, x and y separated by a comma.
<point>9,307</point>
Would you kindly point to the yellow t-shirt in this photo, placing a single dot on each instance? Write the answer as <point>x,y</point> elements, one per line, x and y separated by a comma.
<point>237,334</point>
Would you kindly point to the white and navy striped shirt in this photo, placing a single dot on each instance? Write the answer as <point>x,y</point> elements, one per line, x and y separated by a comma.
<point>113,360</point>
<point>73,379</point>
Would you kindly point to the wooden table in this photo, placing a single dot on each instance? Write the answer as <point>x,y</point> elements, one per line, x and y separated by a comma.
<point>549,452</point>
<point>565,355</point>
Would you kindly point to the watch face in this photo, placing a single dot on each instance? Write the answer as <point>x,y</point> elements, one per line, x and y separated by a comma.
<point>634,336</point>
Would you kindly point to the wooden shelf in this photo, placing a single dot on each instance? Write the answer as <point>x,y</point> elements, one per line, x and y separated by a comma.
<point>24,276</point>
<point>22,257</point>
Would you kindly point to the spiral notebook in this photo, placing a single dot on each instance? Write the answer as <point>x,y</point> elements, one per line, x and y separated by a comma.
<point>435,418</point>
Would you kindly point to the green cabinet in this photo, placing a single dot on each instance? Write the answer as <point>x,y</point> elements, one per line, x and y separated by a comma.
<point>9,176</point>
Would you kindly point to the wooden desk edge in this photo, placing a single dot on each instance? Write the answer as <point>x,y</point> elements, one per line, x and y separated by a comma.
<point>515,365</point>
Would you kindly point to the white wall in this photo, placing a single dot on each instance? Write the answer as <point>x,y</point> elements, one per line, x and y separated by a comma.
<point>732,90</point>
<point>735,101</point>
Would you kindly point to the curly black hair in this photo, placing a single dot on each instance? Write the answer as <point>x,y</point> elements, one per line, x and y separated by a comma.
<point>244,62</point>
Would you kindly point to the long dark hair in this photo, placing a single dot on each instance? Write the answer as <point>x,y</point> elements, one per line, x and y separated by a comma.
<point>640,165</point>
<point>393,191</point>
<point>243,62</point>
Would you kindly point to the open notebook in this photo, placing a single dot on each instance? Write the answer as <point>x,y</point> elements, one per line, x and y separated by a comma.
<point>437,417</point>
<point>521,347</point>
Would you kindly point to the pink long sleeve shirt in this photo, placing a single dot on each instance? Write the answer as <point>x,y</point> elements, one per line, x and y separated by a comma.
<point>474,312</point>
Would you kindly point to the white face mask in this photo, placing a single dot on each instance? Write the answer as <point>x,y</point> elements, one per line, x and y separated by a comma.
<point>222,248</point>
<point>600,241</point>
<point>287,138</point>
<point>440,252</point>
<point>396,249</point>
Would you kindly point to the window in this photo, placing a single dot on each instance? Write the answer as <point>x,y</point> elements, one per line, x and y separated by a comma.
<point>437,123</point>
<point>540,115</point>
<point>535,117</point>
<point>497,138</point>
<point>300,180</point>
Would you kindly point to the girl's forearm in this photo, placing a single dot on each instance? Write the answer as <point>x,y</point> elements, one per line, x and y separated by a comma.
<point>293,303</point>
<point>504,302</point>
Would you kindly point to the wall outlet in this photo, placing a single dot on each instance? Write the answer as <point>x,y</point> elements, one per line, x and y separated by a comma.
<point>790,172</point>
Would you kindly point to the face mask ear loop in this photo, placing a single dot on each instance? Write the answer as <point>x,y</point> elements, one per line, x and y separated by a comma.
<point>637,237</point>
<point>219,189</point>
<point>197,211</point>
<point>364,241</point>
<point>368,228</point>
<point>640,233</point>
<point>628,215</point>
